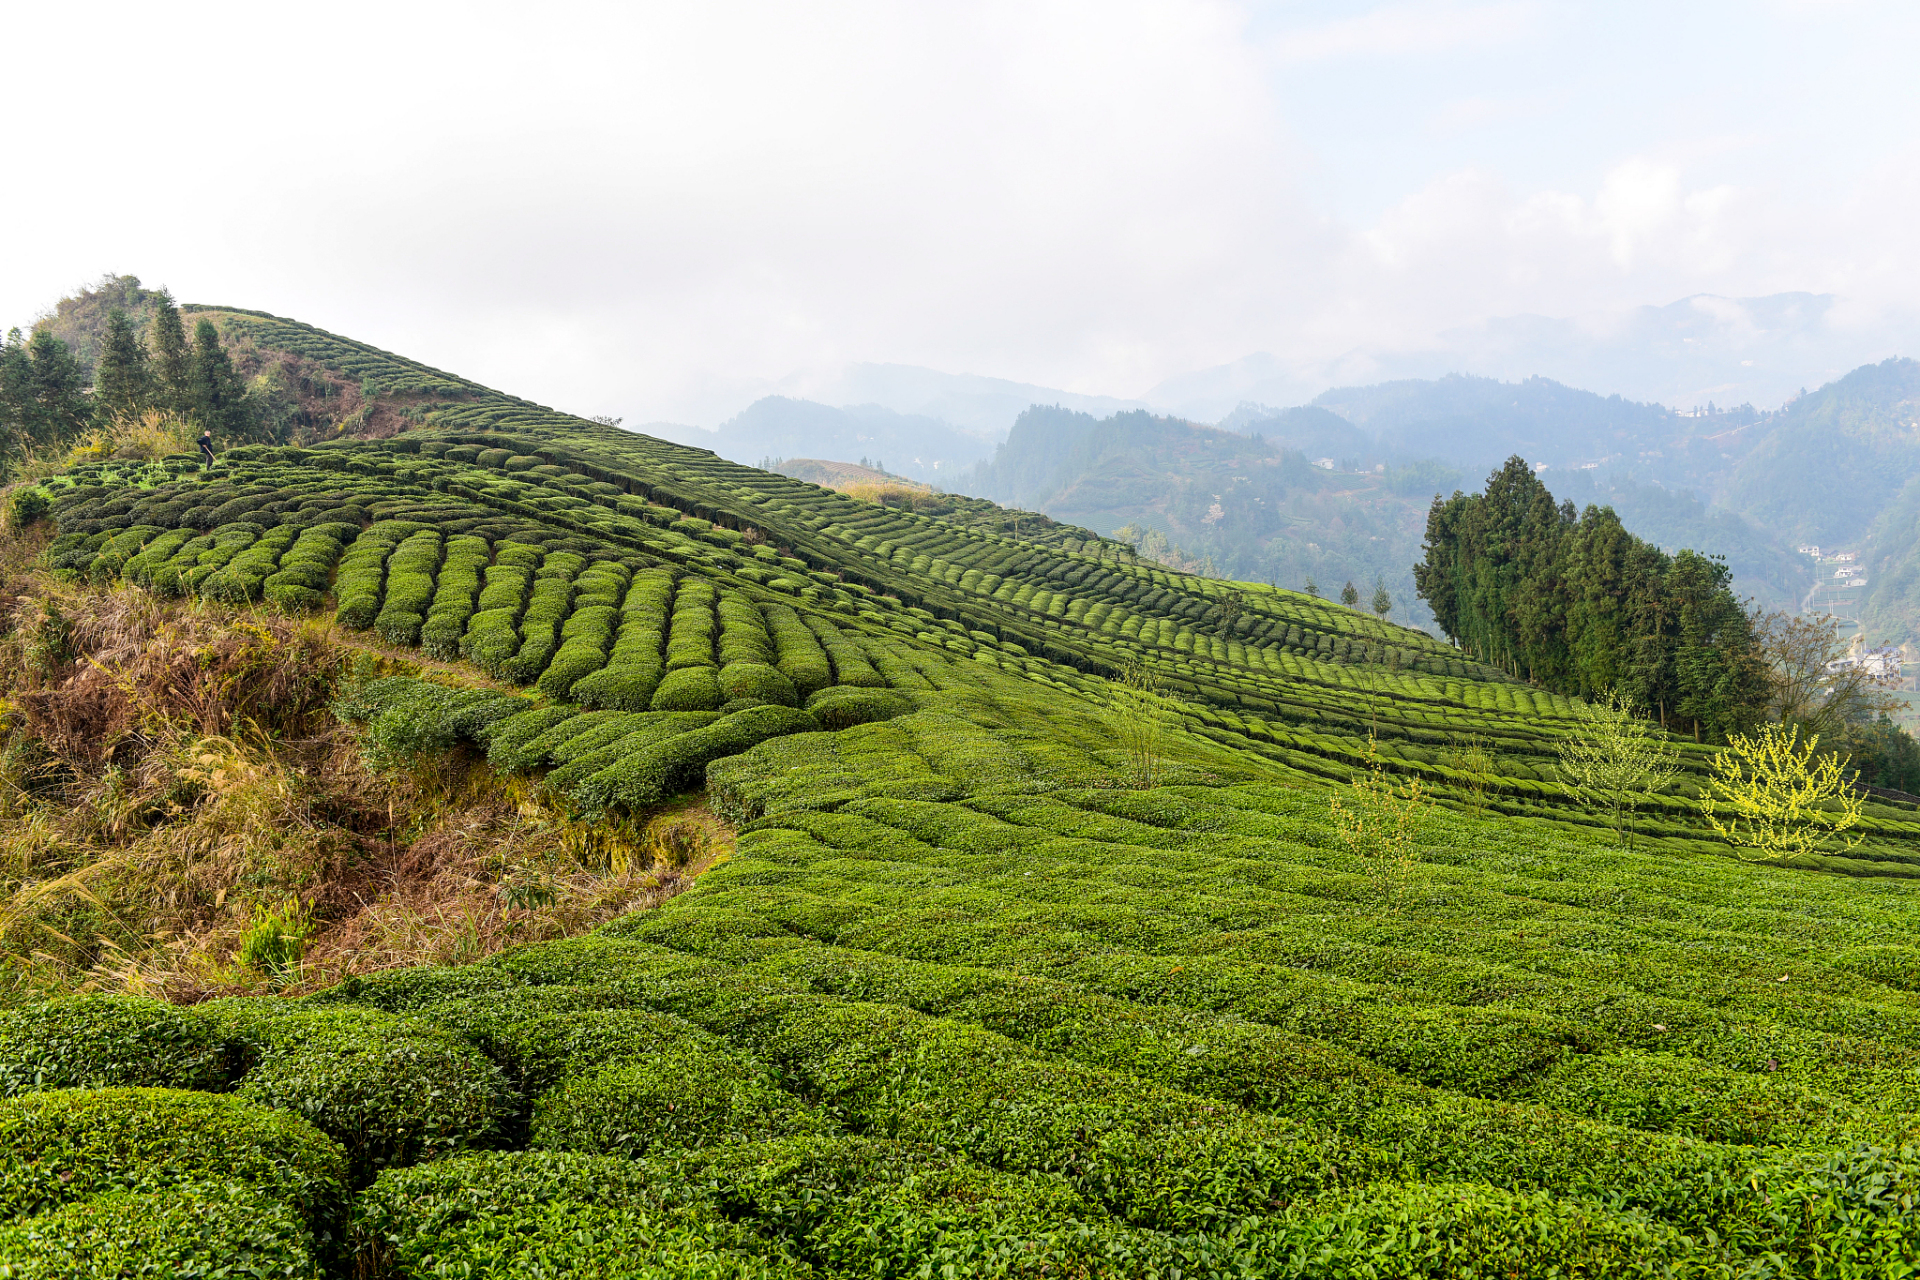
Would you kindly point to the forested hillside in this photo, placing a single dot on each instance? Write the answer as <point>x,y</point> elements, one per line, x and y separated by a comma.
<point>1079,916</point>
<point>1475,422</point>
<point>1234,505</point>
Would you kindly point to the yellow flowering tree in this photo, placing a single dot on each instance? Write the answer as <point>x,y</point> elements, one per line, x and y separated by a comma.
<point>1379,821</point>
<point>1773,796</point>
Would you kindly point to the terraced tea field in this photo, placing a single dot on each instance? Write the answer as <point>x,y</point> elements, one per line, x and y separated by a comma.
<point>972,996</point>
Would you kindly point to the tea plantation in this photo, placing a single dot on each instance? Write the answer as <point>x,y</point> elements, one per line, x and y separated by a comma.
<point>975,995</point>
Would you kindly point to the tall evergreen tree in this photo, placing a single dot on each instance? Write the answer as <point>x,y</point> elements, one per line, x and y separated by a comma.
<point>43,397</point>
<point>122,381</point>
<point>1382,600</point>
<point>172,357</point>
<point>219,400</point>
<point>1577,604</point>
<point>1722,682</point>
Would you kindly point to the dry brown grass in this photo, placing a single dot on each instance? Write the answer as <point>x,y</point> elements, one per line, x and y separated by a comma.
<point>151,434</point>
<point>171,784</point>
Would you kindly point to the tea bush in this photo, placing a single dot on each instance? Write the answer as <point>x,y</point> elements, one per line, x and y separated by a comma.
<point>215,1228</point>
<point>99,1040</point>
<point>389,1091</point>
<point>68,1145</point>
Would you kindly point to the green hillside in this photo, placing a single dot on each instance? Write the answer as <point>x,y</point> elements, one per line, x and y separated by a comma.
<point>1824,466</point>
<point>1256,509</point>
<point>1040,951</point>
<point>1254,505</point>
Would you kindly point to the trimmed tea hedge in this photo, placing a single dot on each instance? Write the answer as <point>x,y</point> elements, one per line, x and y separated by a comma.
<point>97,1040</point>
<point>388,1090</point>
<point>71,1144</point>
<point>217,1228</point>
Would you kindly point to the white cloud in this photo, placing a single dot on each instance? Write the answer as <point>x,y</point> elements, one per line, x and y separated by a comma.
<point>659,210</point>
<point>1399,29</point>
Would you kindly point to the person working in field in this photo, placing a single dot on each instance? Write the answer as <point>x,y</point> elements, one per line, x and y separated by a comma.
<point>206,446</point>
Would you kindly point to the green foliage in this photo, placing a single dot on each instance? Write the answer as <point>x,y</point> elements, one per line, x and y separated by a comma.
<point>276,939</point>
<point>754,681</point>
<point>690,688</point>
<point>304,570</point>
<point>409,588</point>
<point>638,1101</point>
<point>362,575</point>
<point>1451,1230</point>
<point>645,777</point>
<point>960,1001</point>
<point>26,505</point>
<point>173,364</point>
<point>537,1212</point>
<point>213,1228</point>
<point>797,652</point>
<point>68,1145</point>
<point>409,721</point>
<point>43,401</point>
<point>1577,604</point>
<point>455,590</point>
<point>842,708</point>
<point>1611,758</point>
<point>99,1040</point>
<point>219,400</point>
<point>122,381</point>
<point>388,1090</point>
<point>511,738</point>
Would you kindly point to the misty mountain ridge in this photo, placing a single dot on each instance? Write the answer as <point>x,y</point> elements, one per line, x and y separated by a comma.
<point>1761,351</point>
<point>914,445</point>
<point>970,403</point>
<point>1466,421</point>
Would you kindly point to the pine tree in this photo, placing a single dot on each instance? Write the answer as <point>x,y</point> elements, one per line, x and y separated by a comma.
<point>43,398</point>
<point>122,382</point>
<point>16,396</point>
<point>1312,588</point>
<point>172,357</point>
<point>1575,603</point>
<point>1350,595</point>
<point>219,401</point>
<point>1382,602</point>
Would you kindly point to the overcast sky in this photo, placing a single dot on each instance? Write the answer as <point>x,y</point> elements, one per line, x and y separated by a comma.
<point>660,210</point>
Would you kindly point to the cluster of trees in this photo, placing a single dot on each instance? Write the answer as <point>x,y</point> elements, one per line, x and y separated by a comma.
<point>46,400</point>
<point>1574,603</point>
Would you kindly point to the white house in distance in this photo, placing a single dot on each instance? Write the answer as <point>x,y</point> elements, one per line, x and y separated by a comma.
<point>1880,663</point>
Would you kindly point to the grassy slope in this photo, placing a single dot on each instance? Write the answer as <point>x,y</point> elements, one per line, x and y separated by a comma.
<point>1116,1028</point>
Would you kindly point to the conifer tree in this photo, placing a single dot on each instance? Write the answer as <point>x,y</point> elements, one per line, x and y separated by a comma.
<point>43,399</point>
<point>1350,595</point>
<point>219,400</point>
<point>1382,602</point>
<point>1573,602</point>
<point>122,382</point>
<point>172,356</point>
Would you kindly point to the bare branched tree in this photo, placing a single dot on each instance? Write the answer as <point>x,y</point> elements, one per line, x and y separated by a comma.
<point>1815,683</point>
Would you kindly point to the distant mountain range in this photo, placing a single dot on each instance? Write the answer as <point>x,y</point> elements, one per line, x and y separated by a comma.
<point>915,445</point>
<point>1337,487</point>
<point>1760,351</point>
